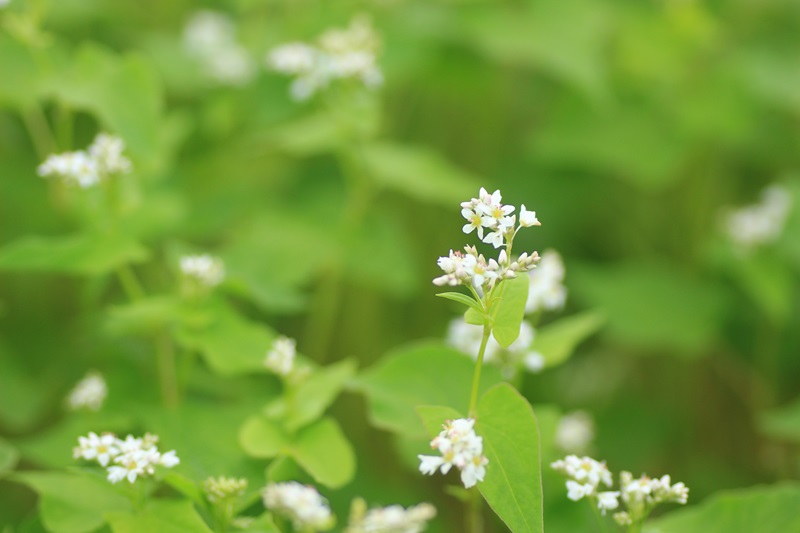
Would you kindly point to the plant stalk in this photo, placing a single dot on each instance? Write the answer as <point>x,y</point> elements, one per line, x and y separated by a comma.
<point>476,377</point>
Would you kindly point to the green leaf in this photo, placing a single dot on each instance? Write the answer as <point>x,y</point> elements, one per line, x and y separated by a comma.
<point>557,341</point>
<point>782,423</point>
<point>767,509</point>
<point>73,503</point>
<point>433,416</point>
<point>474,317</point>
<point>314,395</point>
<point>185,486</point>
<point>19,65</point>
<point>513,484</point>
<point>508,309</point>
<point>418,172</point>
<point>262,438</point>
<point>83,254</point>
<point>325,453</point>
<point>462,299</point>
<point>262,524</point>
<point>160,516</point>
<point>230,344</point>
<point>8,457</point>
<point>419,374</point>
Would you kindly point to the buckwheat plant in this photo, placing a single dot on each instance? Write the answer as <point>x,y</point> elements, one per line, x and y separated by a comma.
<point>222,493</point>
<point>102,160</point>
<point>391,519</point>
<point>301,504</point>
<point>640,496</point>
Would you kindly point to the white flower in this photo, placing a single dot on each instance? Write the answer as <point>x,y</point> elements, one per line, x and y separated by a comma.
<point>4,3</point>
<point>762,223</point>
<point>169,459</point>
<point>292,58</point>
<point>90,392</point>
<point>301,504</point>
<point>459,446</point>
<point>528,218</point>
<point>107,150</point>
<point>534,362</point>
<point>102,449</point>
<point>280,358</point>
<point>575,432</point>
<point>202,270</point>
<point>394,519</point>
<point>75,168</point>
<point>607,501</point>
<point>130,458</point>
<point>576,491</point>
<point>224,488</point>
<point>466,338</point>
<point>210,37</point>
<point>584,470</point>
<point>547,291</point>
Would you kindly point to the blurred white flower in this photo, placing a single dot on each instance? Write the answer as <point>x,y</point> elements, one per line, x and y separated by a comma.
<point>461,447</point>
<point>607,501</point>
<point>466,338</point>
<point>90,393</point>
<point>575,432</point>
<point>203,270</point>
<point>124,459</point>
<point>761,223</point>
<point>210,37</point>
<point>584,470</point>
<point>280,357</point>
<point>107,150</point>
<point>547,291</point>
<point>87,168</point>
<point>4,3</point>
<point>303,505</point>
<point>222,488</point>
<point>576,491</point>
<point>394,519</point>
<point>93,448</point>
<point>349,53</point>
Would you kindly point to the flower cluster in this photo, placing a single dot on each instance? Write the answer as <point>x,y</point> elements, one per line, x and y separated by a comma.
<point>471,268</point>
<point>210,37</point>
<point>642,494</point>
<point>124,459</point>
<point>585,477</point>
<point>280,357</point>
<point>102,159</point>
<point>461,447</point>
<point>392,519</point>
<point>218,489</point>
<point>348,53</point>
<point>547,291</point>
<point>88,393</point>
<point>575,432</point>
<point>761,223</point>
<point>202,271</point>
<point>301,504</point>
<point>466,338</point>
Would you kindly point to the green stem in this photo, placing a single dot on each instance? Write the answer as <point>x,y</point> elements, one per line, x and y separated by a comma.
<point>475,518</point>
<point>476,377</point>
<point>597,514</point>
<point>130,283</point>
<point>165,355</point>
<point>36,124</point>
<point>64,126</point>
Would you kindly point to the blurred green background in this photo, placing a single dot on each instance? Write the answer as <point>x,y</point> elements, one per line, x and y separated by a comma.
<point>630,127</point>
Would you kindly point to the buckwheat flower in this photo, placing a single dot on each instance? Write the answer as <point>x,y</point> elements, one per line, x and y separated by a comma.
<point>394,519</point>
<point>102,449</point>
<point>132,465</point>
<point>89,393</point>
<point>623,519</point>
<point>575,432</point>
<point>223,488</point>
<point>534,362</point>
<point>210,38</point>
<point>607,501</point>
<point>576,491</point>
<point>280,357</point>
<point>107,150</point>
<point>547,291</point>
<point>169,459</point>
<point>292,58</point>
<point>761,223</point>
<point>203,270</point>
<point>584,470</point>
<point>496,238</point>
<point>459,446</point>
<point>474,221</point>
<point>75,168</point>
<point>303,505</point>
<point>528,218</point>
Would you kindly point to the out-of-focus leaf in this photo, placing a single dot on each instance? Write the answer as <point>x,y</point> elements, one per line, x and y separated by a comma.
<point>782,422</point>
<point>325,453</point>
<point>73,503</point>
<point>766,509</point>
<point>8,457</point>
<point>421,374</point>
<point>262,524</point>
<point>314,395</point>
<point>509,309</point>
<point>83,254</point>
<point>768,281</point>
<point>147,314</point>
<point>21,75</point>
<point>185,486</point>
<point>417,172</point>
<point>160,516</point>
<point>513,483</point>
<point>557,341</point>
<point>262,438</point>
<point>434,416</point>
<point>20,401</point>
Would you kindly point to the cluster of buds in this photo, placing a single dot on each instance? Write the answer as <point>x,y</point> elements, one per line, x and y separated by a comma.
<point>391,519</point>
<point>102,159</point>
<point>88,393</point>
<point>124,459</point>
<point>210,37</point>
<point>760,223</point>
<point>472,269</point>
<point>219,489</point>
<point>641,495</point>
<point>585,477</point>
<point>280,357</point>
<point>349,53</point>
<point>459,446</point>
<point>466,338</point>
<point>302,504</point>
<point>201,273</point>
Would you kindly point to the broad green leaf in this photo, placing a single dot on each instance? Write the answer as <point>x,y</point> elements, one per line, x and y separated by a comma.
<point>185,486</point>
<point>768,281</point>
<point>418,172</point>
<point>19,65</point>
<point>8,457</point>
<point>230,344</point>
<point>262,438</point>
<point>508,309</point>
<point>149,314</point>
<point>314,395</point>
<point>77,254</point>
<point>782,422</point>
<point>765,509</point>
<point>462,299</point>
<point>513,483</point>
<point>308,135</point>
<point>419,374</point>
<point>557,341</point>
<point>433,416</point>
<point>21,403</point>
<point>325,453</point>
<point>160,516</point>
<point>262,524</point>
<point>73,503</point>
<point>474,317</point>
